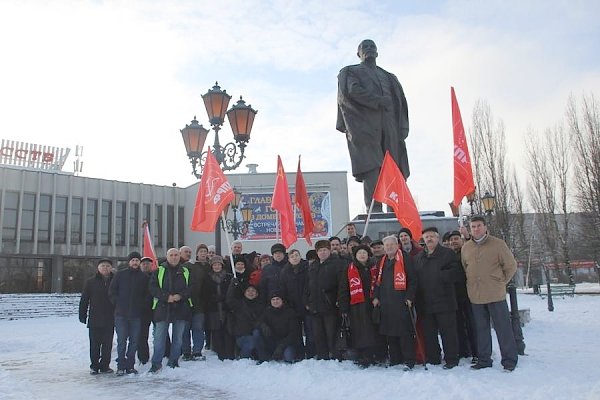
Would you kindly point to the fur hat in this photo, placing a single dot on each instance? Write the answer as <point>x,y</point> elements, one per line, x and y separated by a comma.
<point>362,247</point>
<point>407,231</point>
<point>277,247</point>
<point>322,244</point>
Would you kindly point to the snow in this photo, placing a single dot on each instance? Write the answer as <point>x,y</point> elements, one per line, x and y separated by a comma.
<point>47,358</point>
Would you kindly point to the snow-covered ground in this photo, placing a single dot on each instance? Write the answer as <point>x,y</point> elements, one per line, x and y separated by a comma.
<point>47,358</point>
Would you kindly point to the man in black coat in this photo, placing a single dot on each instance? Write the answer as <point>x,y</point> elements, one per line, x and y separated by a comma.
<point>246,313</point>
<point>269,278</point>
<point>395,291</point>
<point>129,293</point>
<point>100,318</point>
<point>280,330</point>
<point>292,283</point>
<point>170,287</point>
<point>438,269</point>
<point>465,322</point>
<point>143,350</point>
<point>320,296</point>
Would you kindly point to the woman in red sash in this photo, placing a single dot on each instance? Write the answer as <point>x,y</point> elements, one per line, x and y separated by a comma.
<point>355,300</point>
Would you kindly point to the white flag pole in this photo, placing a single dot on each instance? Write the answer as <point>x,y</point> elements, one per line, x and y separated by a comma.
<point>228,245</point>
<point>368,217</point>
<point>277,227</point>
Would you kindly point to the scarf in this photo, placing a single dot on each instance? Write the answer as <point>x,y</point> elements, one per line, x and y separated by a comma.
<point>357,294</point>
<point>217,277</point>
<point>399,272</point>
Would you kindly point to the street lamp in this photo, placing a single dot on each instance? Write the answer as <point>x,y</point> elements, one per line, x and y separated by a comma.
<point>229,156</point>
<point>489,203</point>
<point>241,119</point>
<point>233,226</point>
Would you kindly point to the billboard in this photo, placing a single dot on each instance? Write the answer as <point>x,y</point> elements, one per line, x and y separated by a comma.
<point>264,221</point>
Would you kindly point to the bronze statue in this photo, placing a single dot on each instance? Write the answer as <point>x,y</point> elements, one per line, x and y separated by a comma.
<point>373,113</point>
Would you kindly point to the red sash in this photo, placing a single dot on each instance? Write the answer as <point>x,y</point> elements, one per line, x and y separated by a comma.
<point>357,294</point>
<point>399,272</point>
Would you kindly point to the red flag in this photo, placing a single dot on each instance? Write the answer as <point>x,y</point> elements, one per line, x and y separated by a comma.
<point>281,202</point>
<point>463,172</point>
<point>214,193</point>
<point>392,190</point>
<point>148,248</point>
<point>304,205</point>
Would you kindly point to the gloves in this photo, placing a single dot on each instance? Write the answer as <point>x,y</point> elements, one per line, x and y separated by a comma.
<point>235,281</point>
<point>82,320</point>
<point>278,353</point>
<point>265,330</point>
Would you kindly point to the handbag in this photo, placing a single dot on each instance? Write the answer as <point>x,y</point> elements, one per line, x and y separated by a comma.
<point>343,340</point>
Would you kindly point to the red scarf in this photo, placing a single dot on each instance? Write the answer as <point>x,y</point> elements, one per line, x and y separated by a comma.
<point>357,294</point>
<point>399,273</point>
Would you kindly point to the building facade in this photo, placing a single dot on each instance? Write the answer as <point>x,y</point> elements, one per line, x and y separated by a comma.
<point>55,225</point>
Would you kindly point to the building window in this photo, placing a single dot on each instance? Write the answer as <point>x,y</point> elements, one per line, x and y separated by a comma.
<point>134,225</point>
<point>158,222</point>
<point>44,218</point>
<point>106,222</point>
<point>76,220</point>
<point>180,227</point>
<point>27,217</point>
<point>11,209</point>
<point>60,220</point>
<point>92,211</point>
<point>120,219</point>
<point>170,226</point>
<point>146,213</point>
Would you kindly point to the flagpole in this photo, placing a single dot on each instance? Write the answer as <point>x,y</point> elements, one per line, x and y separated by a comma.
<point>368,217</point>
<point>229,246</point>
<point>460,216</point>
<point>277,226</point>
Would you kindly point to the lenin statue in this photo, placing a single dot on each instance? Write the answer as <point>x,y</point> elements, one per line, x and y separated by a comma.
<point>373,113</point>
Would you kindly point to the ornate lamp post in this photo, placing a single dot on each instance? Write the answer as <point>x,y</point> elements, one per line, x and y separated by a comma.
<point>241,119</point>
<point>489,203</point>
<point>233,226</point>
<point>229,156</point>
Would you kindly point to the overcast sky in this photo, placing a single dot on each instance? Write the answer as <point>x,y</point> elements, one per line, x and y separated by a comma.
<point>122,78</point>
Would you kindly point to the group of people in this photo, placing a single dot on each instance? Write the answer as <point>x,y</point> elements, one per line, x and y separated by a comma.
<point>383,302</point>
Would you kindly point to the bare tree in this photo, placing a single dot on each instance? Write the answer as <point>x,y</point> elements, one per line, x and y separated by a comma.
<point>549,189</point>
<point>583,119</point>
<point>492,172</point>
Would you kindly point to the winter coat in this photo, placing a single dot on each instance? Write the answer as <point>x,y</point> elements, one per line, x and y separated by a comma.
<point>437,274</point>
<point>461,285</point>
<point>395,317</point>
<point>128,291</point>
<point>489,266</point>
<point>241,282</point>
<point>215,294</point>
<point>283,325</point>
<point>198,274</point>
<point>362,329</point>
<point>320,291</point>
<point>246,313</point>
<point>269,278</point>
<point>292,282</point>
<point>95,298</point>
<point>174,282</point>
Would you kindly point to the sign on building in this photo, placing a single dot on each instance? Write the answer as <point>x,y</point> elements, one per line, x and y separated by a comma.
<point>31,155</point>
<point>264,220</point>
